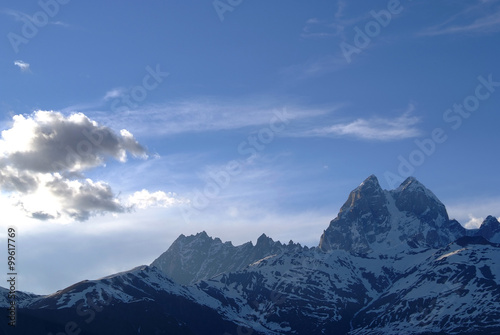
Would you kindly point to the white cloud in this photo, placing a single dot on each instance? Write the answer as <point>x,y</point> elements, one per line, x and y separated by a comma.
<point>144,199</point>
<point>43,157</point>
<point>481,18</point>
<point>377,128</point>
<point>25,67</point>
<point>114,93</point>
<point>473,222</point>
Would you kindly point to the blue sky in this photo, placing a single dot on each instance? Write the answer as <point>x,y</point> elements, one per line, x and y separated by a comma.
<point>125,125</point>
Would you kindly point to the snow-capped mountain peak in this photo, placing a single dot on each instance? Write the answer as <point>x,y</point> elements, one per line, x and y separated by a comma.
<point>413,197</point>
<point>373,219</point>
<point>490,229</point>
<point>367,195</point>
<point>361,220</point>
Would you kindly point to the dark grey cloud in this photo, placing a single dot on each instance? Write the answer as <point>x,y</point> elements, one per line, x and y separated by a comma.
<point>83,199</point>
<point>58,143</point>
<point>42,216</point>
<point>15,180</point>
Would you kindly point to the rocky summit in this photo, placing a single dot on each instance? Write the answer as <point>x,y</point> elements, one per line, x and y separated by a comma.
<point>391,262</point>
<point>373,219</point>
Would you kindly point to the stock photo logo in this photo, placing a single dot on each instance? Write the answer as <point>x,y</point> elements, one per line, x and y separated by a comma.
<point>223,6</point>
<point>454,117</point>
<point>371,30</point>
<point>32,24</point>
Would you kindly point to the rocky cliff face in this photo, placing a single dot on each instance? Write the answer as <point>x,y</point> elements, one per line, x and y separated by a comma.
<point>373,219</point>
<point>363,220</point>
<point>490,229</point>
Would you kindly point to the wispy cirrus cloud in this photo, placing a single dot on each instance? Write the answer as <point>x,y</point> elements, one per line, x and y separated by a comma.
<point>60,23</point>
<point>23,17</point>
<point>114,93</point>
<point>376,128</point>
<point>316,28</point>
<point>207,114</point>
<point>333,26</point>
<point>315,67</point>
<point>483,25</point>
<point>481,18</point>
<point>339,29</point>
<point>217,114</point>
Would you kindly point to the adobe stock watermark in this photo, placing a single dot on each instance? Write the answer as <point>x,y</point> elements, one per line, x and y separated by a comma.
<point>32,24</point>
<point>363,37</point>
<point>223,6</point>
<point>150,81</point>
<point>453,116</point>
<point>250,147</point>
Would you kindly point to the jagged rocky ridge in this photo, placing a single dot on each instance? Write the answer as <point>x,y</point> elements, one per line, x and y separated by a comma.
<point>193,258</point>
<point>391,262</point>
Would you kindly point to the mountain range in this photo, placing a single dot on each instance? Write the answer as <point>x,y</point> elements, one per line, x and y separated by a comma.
<point>391,262</point>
